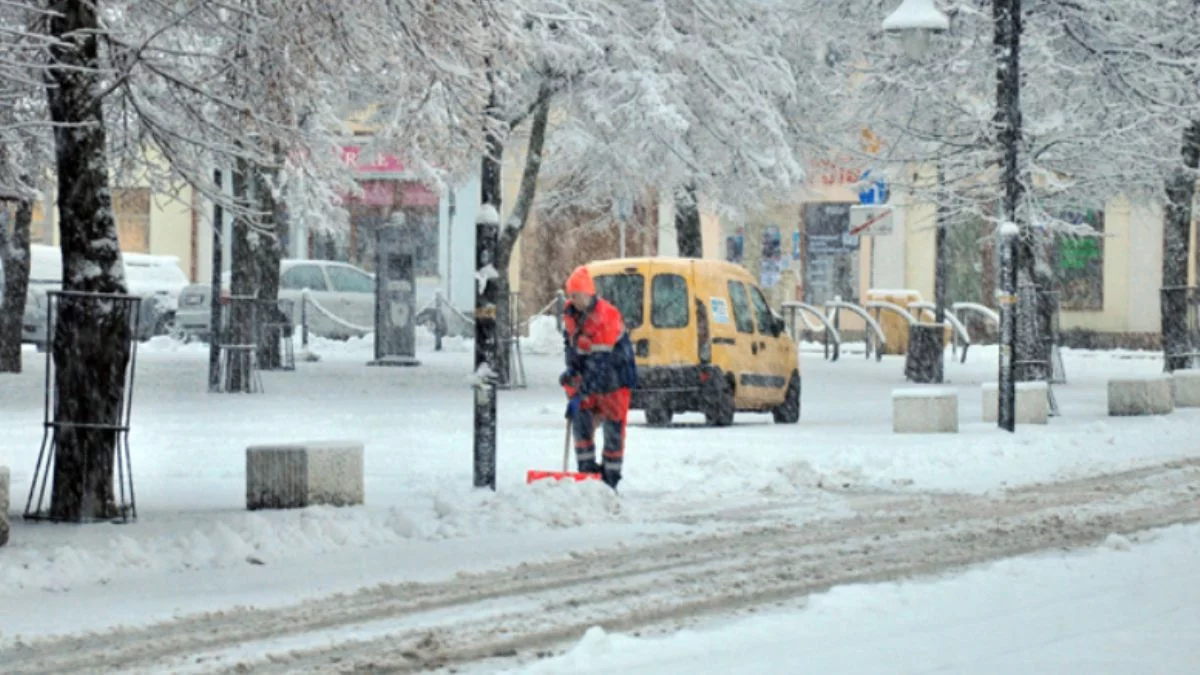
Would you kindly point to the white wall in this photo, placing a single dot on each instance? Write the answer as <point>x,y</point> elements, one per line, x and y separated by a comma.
<point>457,250</point>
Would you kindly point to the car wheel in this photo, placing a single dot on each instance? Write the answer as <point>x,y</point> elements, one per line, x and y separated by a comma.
<point>165,324</point>
<point>720,401</point>
<point>658,416</point>
<point>788,412</point>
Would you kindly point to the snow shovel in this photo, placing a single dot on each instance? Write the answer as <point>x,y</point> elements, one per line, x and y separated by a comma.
<point>535,475</point>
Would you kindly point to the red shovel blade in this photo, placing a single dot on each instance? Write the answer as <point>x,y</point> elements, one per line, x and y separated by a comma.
<point>535,475</point>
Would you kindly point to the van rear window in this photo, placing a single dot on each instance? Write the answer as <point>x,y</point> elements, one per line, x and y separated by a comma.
<point>669,301</point>
<point>626,292</point>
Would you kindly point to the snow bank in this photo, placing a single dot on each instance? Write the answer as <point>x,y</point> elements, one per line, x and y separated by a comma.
<point>165,344</point>
<point>40,557</point>
<point>544,336</point>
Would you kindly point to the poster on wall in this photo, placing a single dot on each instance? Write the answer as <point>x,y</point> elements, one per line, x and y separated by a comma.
<point>735,246</point>
<point>831,259</point>
<point>771,266</point>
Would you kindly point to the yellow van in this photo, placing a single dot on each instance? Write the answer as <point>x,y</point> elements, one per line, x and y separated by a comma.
<point>705,339</point>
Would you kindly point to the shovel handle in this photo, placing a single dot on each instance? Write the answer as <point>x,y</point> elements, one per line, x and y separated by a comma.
<point>567,446</point>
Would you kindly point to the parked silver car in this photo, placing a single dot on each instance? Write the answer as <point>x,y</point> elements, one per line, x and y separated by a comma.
<point>157,279</point>
<point>342,295</point>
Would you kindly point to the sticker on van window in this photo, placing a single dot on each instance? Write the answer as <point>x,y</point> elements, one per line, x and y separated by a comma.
<point>720,310</point>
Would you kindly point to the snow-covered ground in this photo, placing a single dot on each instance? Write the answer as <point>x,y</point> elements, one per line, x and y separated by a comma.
<point>1129,606</point>
<point>195,548</point>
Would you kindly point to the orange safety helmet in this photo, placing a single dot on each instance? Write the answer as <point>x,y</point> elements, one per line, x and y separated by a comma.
<point>581,282</point>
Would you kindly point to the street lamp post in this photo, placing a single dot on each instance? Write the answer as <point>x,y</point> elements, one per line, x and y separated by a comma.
<point>916,20</point>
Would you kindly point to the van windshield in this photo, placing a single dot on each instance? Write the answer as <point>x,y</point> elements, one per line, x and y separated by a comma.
<point>626,293</point>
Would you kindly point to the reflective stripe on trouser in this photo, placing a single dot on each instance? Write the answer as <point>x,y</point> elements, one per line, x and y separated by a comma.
<point>585,451</point>
<point>612,409</point>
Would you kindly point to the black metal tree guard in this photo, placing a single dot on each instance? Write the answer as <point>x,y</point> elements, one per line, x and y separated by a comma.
<point>129,308</point>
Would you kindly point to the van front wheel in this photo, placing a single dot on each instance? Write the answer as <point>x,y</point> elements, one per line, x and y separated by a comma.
<point>720,403</point>
<point>788,412</point>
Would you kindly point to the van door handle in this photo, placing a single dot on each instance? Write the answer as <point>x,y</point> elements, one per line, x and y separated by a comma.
<point>642,348</point>
<point>754,348</point>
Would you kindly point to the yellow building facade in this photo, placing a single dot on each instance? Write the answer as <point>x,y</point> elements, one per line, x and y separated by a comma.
<point>1110,285</point>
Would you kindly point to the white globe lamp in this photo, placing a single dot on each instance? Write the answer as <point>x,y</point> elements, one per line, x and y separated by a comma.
<point>915,21</point>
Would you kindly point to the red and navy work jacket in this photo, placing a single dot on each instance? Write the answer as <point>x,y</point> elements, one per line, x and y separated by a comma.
<point>598,348</point>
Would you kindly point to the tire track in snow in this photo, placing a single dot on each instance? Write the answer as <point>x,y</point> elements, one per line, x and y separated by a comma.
<point>410,627</point>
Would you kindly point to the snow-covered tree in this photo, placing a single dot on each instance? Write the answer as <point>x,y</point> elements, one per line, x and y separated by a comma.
<point>257,87</point>
<point>687,98</point>
<point>1084,137</point>
<point>704,102</point>
<point>24,161</point>
<point>1149,57</point>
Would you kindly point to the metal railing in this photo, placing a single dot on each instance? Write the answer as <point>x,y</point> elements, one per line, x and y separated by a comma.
<point>834,307</point>
<point>792,310</point>
<point>557,305</point>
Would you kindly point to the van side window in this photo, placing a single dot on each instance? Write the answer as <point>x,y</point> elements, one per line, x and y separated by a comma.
<point>625,292</point>
<point>741,307</point>
<point>762,310</point>
<point>703,343</point>
<point>668,301</point>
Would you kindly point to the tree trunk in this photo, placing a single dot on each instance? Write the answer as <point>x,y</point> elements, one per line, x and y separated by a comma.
<point>1029,350</point>
<point>687,224</point>
<point>14,248</point>
<point>511,232</point>
<point>1177,226</point>
<point>267,256</point>
<point>1036,311</point>
<point>91,340</point>
<point>1006,45</point>
<point>243,284</point>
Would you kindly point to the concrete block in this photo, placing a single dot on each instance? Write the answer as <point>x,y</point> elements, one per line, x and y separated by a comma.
<point>1032,405</point>
<point>924,411</point>
<point>4,478</point>
<point>1149,395</point>
<point>295,475</point>
<point>1185,385</point>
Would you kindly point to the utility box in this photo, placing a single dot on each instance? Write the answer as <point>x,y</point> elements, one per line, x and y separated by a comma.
<point>395,295</point>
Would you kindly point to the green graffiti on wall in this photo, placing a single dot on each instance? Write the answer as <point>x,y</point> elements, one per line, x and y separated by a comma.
<point>1075,254</point>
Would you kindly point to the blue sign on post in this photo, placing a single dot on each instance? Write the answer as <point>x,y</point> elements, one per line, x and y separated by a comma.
<point>876,191</point>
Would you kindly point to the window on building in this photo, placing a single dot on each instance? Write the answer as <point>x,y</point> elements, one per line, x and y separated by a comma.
<point>742,316</point>
<point>669,301</point>
<point>626,293</point>
<point>1079,261</point>
<point>303,276</point>
<point>348,280</point>
<point>131,210</point>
